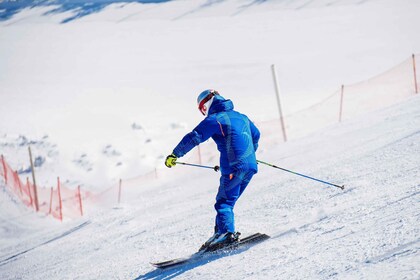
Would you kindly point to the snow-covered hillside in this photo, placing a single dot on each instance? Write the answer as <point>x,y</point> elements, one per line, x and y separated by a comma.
<point>85,86</point>
<point>105,92</point>
<point>368,231</point>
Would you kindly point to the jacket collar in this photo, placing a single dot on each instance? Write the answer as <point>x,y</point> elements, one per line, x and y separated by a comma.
<point>220,105</point>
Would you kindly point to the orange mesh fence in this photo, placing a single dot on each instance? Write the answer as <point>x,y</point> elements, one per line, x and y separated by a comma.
<point>44,201</point>
<point>313,118</point>
<point>114,194</point>
<point>349,101</point>
<point>71,206</point>
<point>59,202</point>
<point>55,206</point>
<point>13,182</point>
<point>383,90</point>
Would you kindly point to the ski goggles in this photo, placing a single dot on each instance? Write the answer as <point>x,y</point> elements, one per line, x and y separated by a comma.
<point>202,105</point>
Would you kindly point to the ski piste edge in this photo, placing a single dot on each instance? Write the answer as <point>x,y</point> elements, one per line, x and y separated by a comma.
<point>249,240</point>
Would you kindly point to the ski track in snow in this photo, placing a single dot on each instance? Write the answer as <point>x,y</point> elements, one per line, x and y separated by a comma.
<point>4,261</point>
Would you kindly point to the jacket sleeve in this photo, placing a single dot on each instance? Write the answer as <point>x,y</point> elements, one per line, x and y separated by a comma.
<point>255,133</point>
<point>201,133</point>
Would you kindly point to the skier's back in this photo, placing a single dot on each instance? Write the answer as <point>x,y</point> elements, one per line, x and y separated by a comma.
<point>237,140</point>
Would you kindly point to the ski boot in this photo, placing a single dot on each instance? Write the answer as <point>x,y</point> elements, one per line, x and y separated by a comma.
<point>210,240</point>
<point>220,240</point>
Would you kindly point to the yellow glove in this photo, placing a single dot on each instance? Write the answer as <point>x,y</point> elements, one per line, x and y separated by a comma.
<point>170,160</point>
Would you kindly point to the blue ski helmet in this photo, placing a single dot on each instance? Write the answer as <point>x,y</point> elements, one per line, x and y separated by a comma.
<point>205,99</point>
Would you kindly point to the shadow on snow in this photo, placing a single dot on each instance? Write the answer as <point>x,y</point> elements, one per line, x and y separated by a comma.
<point>172,272</point>
<point>9,8</point>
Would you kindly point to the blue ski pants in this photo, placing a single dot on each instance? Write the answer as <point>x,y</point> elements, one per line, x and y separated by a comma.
<point>230,189</point>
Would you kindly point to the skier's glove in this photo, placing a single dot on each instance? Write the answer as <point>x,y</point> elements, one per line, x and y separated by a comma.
<point>170,160</point>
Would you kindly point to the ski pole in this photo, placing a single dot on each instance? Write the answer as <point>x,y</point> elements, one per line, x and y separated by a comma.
<point>215,168</point>
<point>272,165</point>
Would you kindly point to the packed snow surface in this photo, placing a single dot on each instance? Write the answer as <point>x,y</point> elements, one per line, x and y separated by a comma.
<point>367,231</point>
<point>108,93</point>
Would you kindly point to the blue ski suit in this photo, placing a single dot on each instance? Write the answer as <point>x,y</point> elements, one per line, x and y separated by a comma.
<point>237,141</point>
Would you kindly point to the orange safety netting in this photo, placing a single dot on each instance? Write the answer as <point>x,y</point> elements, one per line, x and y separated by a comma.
<point>59,202</point>
<point>349,101</point>
<point>390,87</point>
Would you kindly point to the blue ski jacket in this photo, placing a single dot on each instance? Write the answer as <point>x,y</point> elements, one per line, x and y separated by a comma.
<point>235,135</point>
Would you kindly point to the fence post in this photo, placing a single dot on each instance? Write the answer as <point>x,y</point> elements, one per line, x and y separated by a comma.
<point>4,168</point>
<point>33,178</point>
<point>415,73</point>
<point>276,86</point>
<point>51,196</point>
<point>341,104</point>
<point>119,192</point>
<point>80,201</point>
<point>59,199</point>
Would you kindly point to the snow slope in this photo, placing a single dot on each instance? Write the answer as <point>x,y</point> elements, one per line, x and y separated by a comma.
<point>94,96</point>
<point>367,231</point>
<point>84,83</point>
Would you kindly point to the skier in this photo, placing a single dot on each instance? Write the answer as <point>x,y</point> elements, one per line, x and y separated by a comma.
<point>237,141</point>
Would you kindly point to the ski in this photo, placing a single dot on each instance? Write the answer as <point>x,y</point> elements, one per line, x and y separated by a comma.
<point>247,241</point>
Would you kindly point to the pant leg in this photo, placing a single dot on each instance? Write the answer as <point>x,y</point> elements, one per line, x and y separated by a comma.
<point>245,181</point>
<point>230,190</point>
